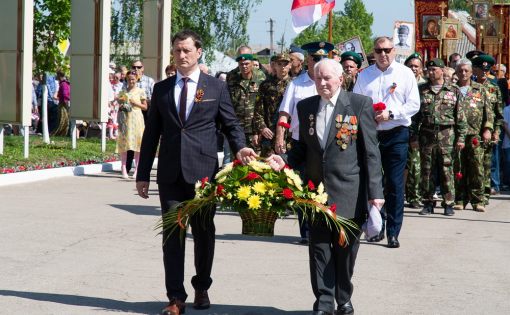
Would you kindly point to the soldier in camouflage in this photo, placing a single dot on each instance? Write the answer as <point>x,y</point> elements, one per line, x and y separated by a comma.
<point>474,99</point>
<point>268,101</point>
<point>481,68</point>
<point>440,124</point>
<point>243,87</point>
<point>413,178</point>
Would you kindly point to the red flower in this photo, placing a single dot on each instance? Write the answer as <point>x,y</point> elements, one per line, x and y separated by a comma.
<point>475,142</point>
<point>379,106</point>
<point>219,190</point>
<point>204,180</point>
<point>287,167</point>
<point>252,176</point>
<point>333,208</point>
<point>237,162</point>
<point>284,125</point>
<point>287,193</point>
<point>311,186</point>
<point>458,176</point>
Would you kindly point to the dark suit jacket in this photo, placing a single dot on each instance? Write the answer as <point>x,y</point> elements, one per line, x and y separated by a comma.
<point>352,176</point>
<point>192,147</point>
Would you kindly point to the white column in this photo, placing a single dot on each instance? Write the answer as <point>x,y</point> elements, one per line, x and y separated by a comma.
<point>103,137</point>
<point>26,142</point>
<point>1,139</point>
<point>156,48</point>
<point>73,134</point>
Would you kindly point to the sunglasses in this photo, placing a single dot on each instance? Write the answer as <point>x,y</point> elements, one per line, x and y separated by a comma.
<point>318,58</point>
<point>136,67</point>
<point>380,50</point>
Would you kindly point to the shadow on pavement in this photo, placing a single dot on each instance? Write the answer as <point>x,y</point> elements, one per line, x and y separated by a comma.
<point>139,210</point>
<point>282,239</point>
<point>441,216</point>
<point>153,307</point>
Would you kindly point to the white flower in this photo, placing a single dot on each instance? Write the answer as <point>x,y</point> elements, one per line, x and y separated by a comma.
<point>198,185</point>
<point>259,166</point>
<point>225,170</point>
<point>320,189</point>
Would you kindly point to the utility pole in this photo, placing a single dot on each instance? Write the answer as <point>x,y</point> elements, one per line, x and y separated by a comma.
<point>271,31</point>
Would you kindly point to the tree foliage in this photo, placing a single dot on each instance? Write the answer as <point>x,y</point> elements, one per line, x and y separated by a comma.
<point>221,23</point>
<point>354,20</point>
<point>459,5</point>
<point>52,20</point>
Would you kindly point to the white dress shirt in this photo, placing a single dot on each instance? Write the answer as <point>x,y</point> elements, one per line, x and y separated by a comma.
<point>326,109</point>
<point>403,102</point>
<point>192,90</point>
<point>298,89</point>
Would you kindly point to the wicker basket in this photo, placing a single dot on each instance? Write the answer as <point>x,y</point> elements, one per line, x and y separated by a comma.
<point>260,223</point>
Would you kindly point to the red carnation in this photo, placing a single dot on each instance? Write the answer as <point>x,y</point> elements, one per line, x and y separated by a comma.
<point>333,208</point>
<point>204,180</point>
<point>287,193</point>
<point>458,176</point>
<point>379,106</point>
<point>287,167</point>
<point>475,141</point>
<point>237,162</point>
<point>311,186</point>
<point>284,125</point>
<point>252,176</point>
<point>219,190</point>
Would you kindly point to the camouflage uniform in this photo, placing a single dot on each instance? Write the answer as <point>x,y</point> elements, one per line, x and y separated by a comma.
<point>479,115</point>
<point>413,179</point>
<point>494,94</point>
<point>243,93</point>
<point>441,123</point>
<point>268,101</point>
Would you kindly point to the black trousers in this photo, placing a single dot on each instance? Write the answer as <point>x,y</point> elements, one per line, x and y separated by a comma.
<point>203,231</point>
<point>331,266</point>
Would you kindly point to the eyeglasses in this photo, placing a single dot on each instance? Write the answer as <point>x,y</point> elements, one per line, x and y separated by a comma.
<point>318,58</point>
<point>136,67</point>
<point>380,50</point>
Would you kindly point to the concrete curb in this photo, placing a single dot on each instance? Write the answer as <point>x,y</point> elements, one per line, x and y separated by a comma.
<point>33,176</point>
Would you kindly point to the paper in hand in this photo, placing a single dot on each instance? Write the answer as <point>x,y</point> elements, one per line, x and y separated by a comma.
<point>373,226</point>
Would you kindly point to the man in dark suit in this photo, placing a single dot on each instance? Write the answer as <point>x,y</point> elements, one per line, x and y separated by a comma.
<point>185,110</point>
<point>349,167</point>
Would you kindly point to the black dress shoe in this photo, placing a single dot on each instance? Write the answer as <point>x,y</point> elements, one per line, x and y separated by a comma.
<point>393,242</point>
<point>345,309</point>
<point>175,307</point>
<point>377,238</point>
<point>448,210</point>
<point>427,209</point>
<point>321,313</point>
<point>201,300</point>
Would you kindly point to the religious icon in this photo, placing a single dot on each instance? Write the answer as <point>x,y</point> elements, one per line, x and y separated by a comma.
<point>481,10</point>
<point>430,26</point>
<point>451,30</point>
<point>491,28</point>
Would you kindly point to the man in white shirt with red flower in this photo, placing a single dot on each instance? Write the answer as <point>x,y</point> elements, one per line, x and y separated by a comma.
<point>393,84</point>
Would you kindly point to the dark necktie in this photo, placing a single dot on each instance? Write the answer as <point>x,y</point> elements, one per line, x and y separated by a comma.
<point>182,100</point>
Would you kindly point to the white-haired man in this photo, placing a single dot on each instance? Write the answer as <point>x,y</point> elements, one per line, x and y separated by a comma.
<point>350,169</point>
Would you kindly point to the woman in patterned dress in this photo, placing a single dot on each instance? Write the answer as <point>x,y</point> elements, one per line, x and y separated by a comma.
<point>131,124</point>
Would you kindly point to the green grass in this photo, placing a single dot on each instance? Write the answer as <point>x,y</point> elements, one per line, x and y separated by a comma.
<point>57,154</point>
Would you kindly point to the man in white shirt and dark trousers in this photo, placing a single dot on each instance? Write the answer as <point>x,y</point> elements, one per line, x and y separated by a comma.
<point>303,86</point>
<point>393,84</point>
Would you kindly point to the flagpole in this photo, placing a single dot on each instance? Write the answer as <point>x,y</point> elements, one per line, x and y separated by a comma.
<point>330,22</point>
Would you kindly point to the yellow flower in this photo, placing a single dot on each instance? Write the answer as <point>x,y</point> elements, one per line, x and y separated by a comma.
<point>243,192</point>
<point>254,202</point>
<point>259,188</point>
<point>271,192</point>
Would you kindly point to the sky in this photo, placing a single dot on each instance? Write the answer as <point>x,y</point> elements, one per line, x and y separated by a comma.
<point>385,13</point>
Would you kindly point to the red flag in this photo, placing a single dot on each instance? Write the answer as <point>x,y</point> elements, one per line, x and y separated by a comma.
<point>306,12</point>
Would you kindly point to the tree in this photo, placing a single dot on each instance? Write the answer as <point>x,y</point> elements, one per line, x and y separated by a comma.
<point>52,19</point>
<point>459,5</point>
<point>354,20</point>
<point>221,23</point>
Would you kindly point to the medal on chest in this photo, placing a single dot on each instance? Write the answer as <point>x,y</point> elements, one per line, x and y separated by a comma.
<point>347,130</point>
<point>311,131</point>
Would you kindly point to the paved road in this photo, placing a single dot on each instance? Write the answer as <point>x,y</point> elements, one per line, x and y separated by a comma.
<point>86,245</point>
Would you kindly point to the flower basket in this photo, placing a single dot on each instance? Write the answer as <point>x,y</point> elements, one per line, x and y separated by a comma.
<point>259,223</point>
<point>260,195</point>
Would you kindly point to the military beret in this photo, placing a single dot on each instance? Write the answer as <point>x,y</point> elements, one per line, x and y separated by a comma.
<point>351,55</point>
<point>473,54</point>
<point>296,49</point>
<point>318,48</point>
<point>281,57</point>
<point>436,62</point>
<point>412,56</point>
<point>403,29</point>
<point>483,61</point>
<point>243,57</point>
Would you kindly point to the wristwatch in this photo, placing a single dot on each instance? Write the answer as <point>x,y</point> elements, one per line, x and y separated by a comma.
<point>391,116</point>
